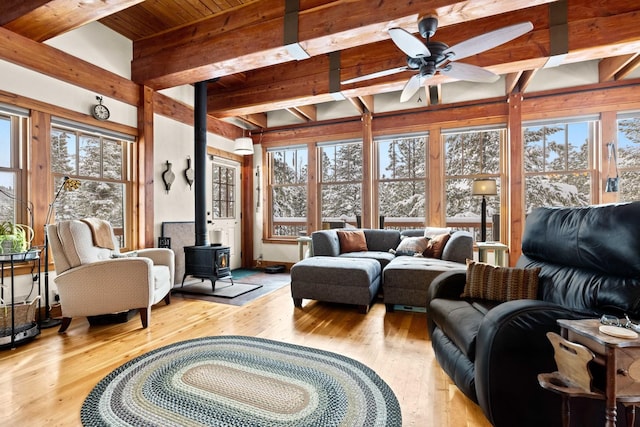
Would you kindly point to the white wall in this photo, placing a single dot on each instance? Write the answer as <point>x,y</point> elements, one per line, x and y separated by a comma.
<point>173,140</point>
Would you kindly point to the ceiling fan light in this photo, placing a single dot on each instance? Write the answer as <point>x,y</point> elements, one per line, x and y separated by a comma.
<point>243,146</point>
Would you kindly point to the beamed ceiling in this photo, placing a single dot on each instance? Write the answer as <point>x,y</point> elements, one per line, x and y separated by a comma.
<point>239,45</point>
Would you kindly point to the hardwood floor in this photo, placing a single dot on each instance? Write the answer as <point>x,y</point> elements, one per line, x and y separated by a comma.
<point>45,382</point>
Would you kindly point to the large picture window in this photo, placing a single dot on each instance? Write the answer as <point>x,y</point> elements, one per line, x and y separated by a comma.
<point>14,203</point>
<point>471,154</point>
<point>341,181</point>
<point>558,163</point>
<point>628,157</point>
<point>288,168</point>
<point>101,162</point>
<point>401,180</point>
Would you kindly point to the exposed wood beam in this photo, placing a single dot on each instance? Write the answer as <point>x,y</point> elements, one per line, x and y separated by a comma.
<point>511,82</point>
<point>60,65</point>
<point>12,9</point>
<point>307,113</point>
<point>367,101</point>
<point>306,82</point>
<point>71,14</point>
<point>629,68</point>
<point>251,36</point>
<point>359,106</point>
<point>256,119</point>
<point>517,82</point>
<point>608,68</point>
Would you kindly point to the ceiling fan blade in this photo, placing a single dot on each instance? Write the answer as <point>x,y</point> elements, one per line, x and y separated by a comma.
<point>408,43</point>
<point>411,87</point>
<point>488,40</point>
<point>473,73</point>
<point>376,75</point>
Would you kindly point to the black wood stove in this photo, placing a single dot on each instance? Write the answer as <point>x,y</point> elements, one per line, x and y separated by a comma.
<point>207,262</point>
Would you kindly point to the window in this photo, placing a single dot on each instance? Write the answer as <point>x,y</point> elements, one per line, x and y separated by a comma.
<point>558,164</point>
<point>101,162</point>
<point>223,191</point>
<point>628,158</point>
<point>401,180</point>
<point>471,154</point>
<point>14,203</point>
<point>288,190</point>
<point>340,181</point>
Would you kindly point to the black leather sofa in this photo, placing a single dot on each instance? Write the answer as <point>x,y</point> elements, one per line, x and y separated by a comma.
<point>590,265</point>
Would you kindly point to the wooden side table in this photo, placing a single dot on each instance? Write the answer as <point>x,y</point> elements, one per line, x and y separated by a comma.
<point>302,242</point>
<point>619,356</point>
<point>499,250</point>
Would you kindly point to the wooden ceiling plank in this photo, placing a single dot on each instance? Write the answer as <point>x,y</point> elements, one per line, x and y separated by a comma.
<point>13,9</point>
<point>59,16</point>
<point>206,50</point>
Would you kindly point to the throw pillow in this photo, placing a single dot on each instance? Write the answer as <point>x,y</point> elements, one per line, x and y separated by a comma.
<point>412,245</point>
<point>485,281</point>
<point>436,246</point>
<point>352,241</point>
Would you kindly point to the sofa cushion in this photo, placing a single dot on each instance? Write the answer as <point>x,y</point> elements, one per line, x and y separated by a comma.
<point>382,257</point>
<point>436,246</point>
<point>412,245</point>
<point>460,321</point>
<point>352,241</point>
<point>488,282</point>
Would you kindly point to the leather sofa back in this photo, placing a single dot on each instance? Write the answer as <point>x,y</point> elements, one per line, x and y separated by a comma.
<point>590,257</point>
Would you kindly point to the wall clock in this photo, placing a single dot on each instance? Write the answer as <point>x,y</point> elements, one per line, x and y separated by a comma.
<point>99,111</point>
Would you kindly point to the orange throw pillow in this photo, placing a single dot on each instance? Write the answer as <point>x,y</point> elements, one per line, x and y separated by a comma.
<point>436,246</point>
<point>352,241</point>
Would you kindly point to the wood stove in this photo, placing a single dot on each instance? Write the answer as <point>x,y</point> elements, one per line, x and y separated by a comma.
<point>207,262</point>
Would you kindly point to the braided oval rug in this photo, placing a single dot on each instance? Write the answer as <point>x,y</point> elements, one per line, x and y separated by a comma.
<point>241,381</point>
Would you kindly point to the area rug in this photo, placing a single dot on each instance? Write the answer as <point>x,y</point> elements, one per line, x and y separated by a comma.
<point>241,381</point>
<point>224,289</point>
<point>267,284</point>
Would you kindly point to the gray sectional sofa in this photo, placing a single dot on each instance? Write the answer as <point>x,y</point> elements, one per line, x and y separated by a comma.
<point>404,279</point>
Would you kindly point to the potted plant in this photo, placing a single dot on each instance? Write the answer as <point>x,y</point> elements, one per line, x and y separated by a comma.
<point>14,238</point>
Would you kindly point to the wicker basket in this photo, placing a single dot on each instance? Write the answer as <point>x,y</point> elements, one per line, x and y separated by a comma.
<point>24,314</point>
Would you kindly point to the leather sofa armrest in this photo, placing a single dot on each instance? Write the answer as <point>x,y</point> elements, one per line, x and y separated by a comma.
<point>448,285</point>
<point>511,350</point>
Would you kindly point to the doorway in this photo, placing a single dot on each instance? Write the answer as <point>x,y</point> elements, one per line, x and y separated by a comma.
<point>225,226</point>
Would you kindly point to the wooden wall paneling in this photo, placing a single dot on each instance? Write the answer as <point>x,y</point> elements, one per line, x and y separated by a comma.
<point>513,189</point>
<point>248,183</point>
<point>40,176</point>
<point>435,183</point>
<point>143,209</point>
<point>369,175</point>
<point>609,128</point>
<point>313,215</point>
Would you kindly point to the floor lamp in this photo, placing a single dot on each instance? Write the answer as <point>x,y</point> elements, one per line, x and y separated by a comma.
<point>68,184</point>
<point>484,187</point>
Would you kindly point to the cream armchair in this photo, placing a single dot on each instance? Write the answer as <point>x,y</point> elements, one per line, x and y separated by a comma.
<point>94,280</point>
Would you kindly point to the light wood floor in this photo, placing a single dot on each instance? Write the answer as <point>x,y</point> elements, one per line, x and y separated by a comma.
<point>45,382</point>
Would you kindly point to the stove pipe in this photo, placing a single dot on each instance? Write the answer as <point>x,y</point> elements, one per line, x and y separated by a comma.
<point>200,163</point>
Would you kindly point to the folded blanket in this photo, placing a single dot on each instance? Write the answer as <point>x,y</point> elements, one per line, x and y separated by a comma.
<point>101,232</point>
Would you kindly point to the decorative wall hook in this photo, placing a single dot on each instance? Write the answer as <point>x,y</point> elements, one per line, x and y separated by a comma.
<point>188,172</point>
<point>167,177</point>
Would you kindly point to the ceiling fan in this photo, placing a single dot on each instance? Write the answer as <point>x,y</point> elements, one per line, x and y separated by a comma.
<point>436,57</point>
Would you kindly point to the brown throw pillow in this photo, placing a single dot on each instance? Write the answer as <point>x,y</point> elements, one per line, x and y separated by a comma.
<point>436,246</point>
<point>412,245</point>
<point>352,241</point>
<point>485,281</point>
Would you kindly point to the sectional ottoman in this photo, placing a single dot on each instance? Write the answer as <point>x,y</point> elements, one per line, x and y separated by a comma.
<point>358,277</point>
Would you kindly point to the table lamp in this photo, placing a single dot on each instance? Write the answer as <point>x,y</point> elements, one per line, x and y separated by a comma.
<point>484,187</point>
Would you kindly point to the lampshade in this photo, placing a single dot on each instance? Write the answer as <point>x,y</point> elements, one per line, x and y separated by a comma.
<point>484,187</point>
<point>243,146</point>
